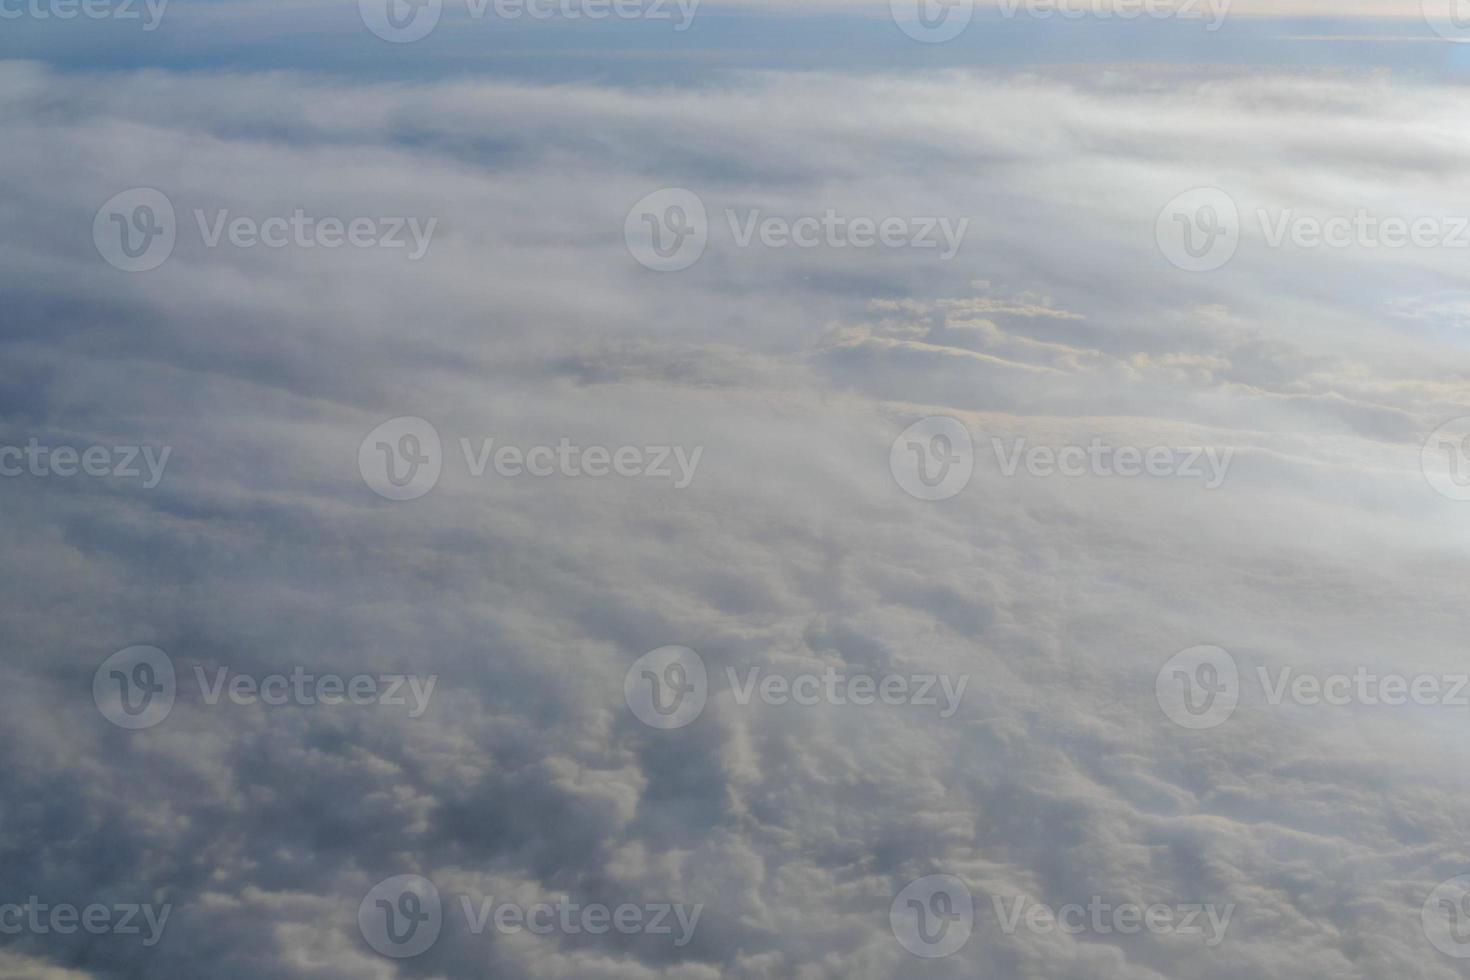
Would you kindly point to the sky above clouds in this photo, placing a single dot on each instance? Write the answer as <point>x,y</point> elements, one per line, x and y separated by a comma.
<point>1100,242</point>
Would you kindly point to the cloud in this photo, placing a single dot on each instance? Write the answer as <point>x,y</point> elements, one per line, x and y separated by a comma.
<point>793,550</point>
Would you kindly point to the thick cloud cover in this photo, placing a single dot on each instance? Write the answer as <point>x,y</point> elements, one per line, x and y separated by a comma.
<point>528,778</point>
